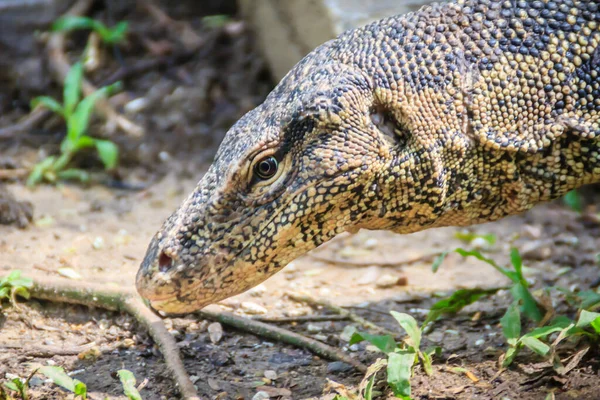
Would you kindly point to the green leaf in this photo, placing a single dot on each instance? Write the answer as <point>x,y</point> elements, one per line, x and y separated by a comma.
<point>71,22</point>
<point>437,262</point>
<point>456,302</point>
<point>128,381</point>
<point>80,389</point>
<point>4,291</point>
<point>529,306</point>
<point>50,103</point>
<point>59,377</point>
<point>215,21</point>
<point>511,324</point>
<point>399,372</point>
<point>12,385</point>
<point>586,318</point>
<point>116,34</point>
<point>72,89</point>
<point>536,345</point>
<point>108,153</point>
<point>78,123</point>
<point>409,324</point>
<point>384,343</point>
<point>516,261</point>
<point>596,325</point>
<point>573,201</point>
<point>589,299</point>
<point>555,326</point>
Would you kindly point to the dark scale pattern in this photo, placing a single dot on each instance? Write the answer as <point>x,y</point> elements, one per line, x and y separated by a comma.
<point>457,114</point>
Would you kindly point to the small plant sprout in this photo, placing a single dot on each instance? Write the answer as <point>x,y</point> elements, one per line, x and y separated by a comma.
<point>128,381</point>
<point>112,36</point>
<point>76,112</point>
<point>14,285</point>
<point>60,378</point>
<point>401,357</point>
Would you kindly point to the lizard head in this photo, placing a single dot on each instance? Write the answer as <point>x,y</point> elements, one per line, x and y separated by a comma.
<point>288,176</point>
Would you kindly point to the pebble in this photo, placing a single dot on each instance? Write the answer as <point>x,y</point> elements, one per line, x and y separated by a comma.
<point>532,232</point>
<point>271,375</point>
<point>258,291</point>
<point>371,243</point>
<point>369,276</point>
<point>215,332</point>
<point>479,342</point>
<point>480,243</point>
<point>314,328</point>
<point>98,243</point>
<point>262,395</point>
<point>135,105</point>
<point>252,308</point>
<point>388,281</point>
<point>536,250</point>
<point>338,366</point>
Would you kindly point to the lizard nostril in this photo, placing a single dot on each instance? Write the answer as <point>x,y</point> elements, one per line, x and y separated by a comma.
<point>165,263</point>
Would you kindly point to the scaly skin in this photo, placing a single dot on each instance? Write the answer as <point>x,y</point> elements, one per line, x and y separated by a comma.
<point>454,115</point>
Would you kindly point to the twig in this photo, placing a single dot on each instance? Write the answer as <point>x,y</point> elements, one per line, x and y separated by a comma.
<point>301,318</point>
<point>341,311</point>
<point>60,66</point>
<point>399,263</point>
<point>35,117</point>
<point>142,66</point>
<point>6,174</point>
<point>282,335</point>
<point>35,350</point>
<point>119,299</point>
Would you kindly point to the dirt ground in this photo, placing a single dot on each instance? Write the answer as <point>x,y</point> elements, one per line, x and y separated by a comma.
<point>101,233</point>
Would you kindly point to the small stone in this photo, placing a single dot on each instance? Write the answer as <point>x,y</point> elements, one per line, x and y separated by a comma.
<point>532,232</point>
<point>258,291</point>
<point>253,308</point>
<point>314,328</point>
<point>262,395</point>
<point>215,332</point>
<point>338,366</point>
<point>480,243</point>
<point>536,250</point>
<point>135,105</point>
<point>369,276</point>
<point>271,375</point>
<point>388,281</point>
<point>479,342</point>
<point>371,243</point>
<point>98,243</point>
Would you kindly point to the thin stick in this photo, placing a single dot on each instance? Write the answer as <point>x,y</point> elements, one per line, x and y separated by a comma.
<point>34,118</point>
<point>399,263</point>
<point>341,311</point>
<point>126,300</point>
<point>283,335</point>
<point>6,174</point>
<point>60,67</point>
<point>301,319</point>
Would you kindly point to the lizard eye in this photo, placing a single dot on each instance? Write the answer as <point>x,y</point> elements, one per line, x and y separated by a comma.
<point>266,168</point>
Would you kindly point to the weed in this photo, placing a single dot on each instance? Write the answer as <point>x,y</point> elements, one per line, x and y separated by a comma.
<point>112,36</point>
<point>400,356</point>
<point>60,378</point>
<point>573,201</point>
<point>76,112</point>
<point>128,381</point>
<point>14,284</point>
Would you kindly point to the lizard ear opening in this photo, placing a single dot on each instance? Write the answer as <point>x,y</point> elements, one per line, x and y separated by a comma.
<point>393,129</point>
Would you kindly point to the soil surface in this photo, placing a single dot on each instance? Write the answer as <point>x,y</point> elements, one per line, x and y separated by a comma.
<point>100,233</point>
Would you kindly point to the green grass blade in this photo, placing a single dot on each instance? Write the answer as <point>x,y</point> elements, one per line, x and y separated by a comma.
<point>117,33</point>
<point>437,262</point>
<point>529,306</point>
<point>108,153</point>
<point>72,89</point>
<point>456,302</point>
<point>573,201</point>
<point>50,103</point>
<point>511,324</point>
<point>536,345</point>
<point>586,318</point>
<point>71,22</point>
<point>128,381</point>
